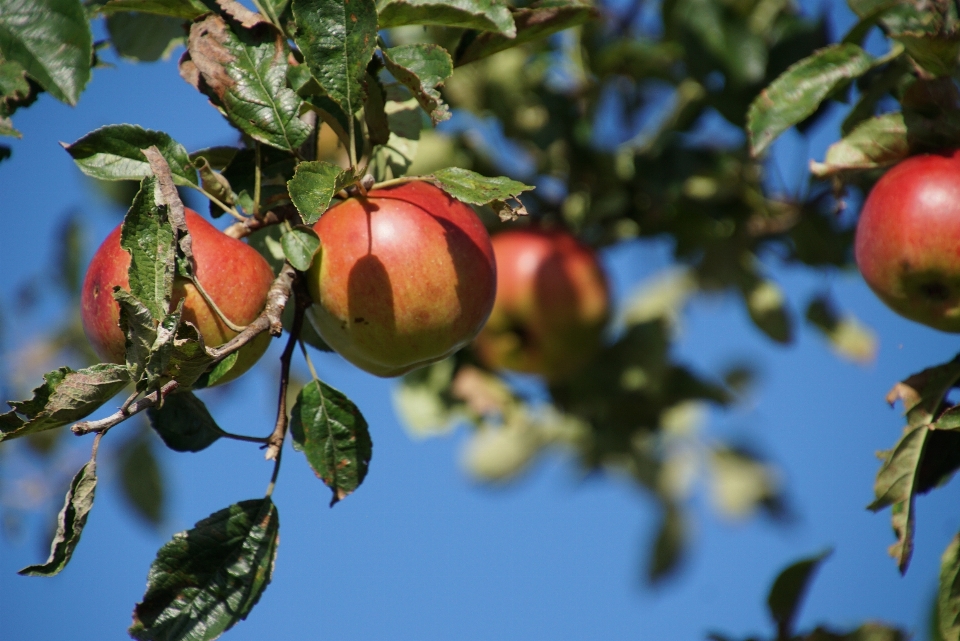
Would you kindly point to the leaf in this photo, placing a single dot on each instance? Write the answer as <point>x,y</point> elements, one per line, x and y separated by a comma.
<point>217,157</point>
<point>797,92</point>
<point>533,23</point>
<point>184,423</point>
<point>948,599</point>
<point>113,153</point>
<point>669,547</point>
<point>70,522</point>
<point>148,237</point>
<point>788,590</point>
<point>300,244</point>
<point>374,114</point>
<point>846,334</point>
<point>768,311</point>
<point>183,9</point>
<point>66,396</point>
<point>484,15</point>
<point>143,36</point>
<point>178,353</point>
<point>137,325</point>
<point>923,392</point>
<point>206,579</point>
<point>141,480</point>
<point>243,72</point>
<point>471,187</point>
<point>314,185</point>
<point>937,54</point>
<point>422,68</point>
<point>51,40</point>
<point>337,39</point>
<point>329,429</point>
<point>393,159</point>
<point>876,142</point>
<point>896,485</point>
<point>16,91</point>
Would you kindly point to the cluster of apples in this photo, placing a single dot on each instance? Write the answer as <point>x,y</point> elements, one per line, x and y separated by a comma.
<point>405,277</point>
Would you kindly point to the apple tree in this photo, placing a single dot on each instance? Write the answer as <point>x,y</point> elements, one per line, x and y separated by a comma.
<point>335,99</point>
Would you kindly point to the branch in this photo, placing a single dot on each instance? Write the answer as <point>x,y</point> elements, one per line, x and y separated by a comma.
<point>268,320</point>
<point>150,400</point>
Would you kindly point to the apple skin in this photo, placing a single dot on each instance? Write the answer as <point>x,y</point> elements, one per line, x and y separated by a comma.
<point>908,240</point>
<point>234,275</point>
<point>405,277</point>
<point>552,305</point>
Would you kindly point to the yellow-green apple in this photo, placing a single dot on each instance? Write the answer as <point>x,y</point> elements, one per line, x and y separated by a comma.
<point>908,240</point>
<point>552,304</point>
<point>404,278</point>
<point>234,275</point>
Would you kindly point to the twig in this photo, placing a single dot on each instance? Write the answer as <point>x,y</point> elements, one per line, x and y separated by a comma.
<point>275,441</point>
<point>268,320</point>
<point>398,181</point>
<point>150,400</point>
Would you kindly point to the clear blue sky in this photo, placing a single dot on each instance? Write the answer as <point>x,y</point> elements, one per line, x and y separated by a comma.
<point>421,552</point>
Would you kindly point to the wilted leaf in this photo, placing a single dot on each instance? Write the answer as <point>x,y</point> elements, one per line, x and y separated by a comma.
<point>300,244</point>
<point>314,186</point>
<point>534,22</point>
<point>114,153</point>
<point>149,238</point>
<point>484,15</point>
<point>422,68</point>
<point>789,589</point>
<point>184,423</point>
<point>244,72</point>
<point>70,522</point>
<point>337,39</point>
<point>329,429</point>
<point>208,578</point>
<point>923,392</point>
<point>797,93</point>
<point>141,480</point>
<point>948,601</point>
<point>66,396</point>
<point>51,39</point>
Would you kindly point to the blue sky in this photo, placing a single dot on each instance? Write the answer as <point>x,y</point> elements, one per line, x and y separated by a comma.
<point>422,552</point>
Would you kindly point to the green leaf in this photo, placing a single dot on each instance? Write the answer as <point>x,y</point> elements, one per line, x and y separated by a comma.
<point>329,429</point>
<point>799,90</point>
<point>846,334</point>
<point>16,91</point>
<point>51,40</point>
<point>182,9</point>
<point>217,157</point>
<point>300,244</point>
<point>484,15</point>
<point>374,111</point>
<point>337,39</point>
<point>393,159</point>
<point>896,486</point>
<point>948,600</point>
<point>877,142</point>
<point>139,331</point>
<point>922,393</point>
<point>422,68</point>
<point>141,479</point>
<point>788,590</point>
<point>143,36</point>
<point>70,522</point>
<point>669,547</point>
<point>149,238</point>
<point>768,311</point>
<point>471,187</point>
<point>314,185</point>
<point>178,353</point>
<point>937,54</point>
<point>66,396</point>
<point>533,23</point>
<point>312,93</point>
<point>206,579</point>
<point>243,72</point>
<point>113,153</point>
<point>184,423</point>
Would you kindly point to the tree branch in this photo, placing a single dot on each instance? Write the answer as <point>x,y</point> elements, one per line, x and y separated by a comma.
<point>150,400</point>
<point>275,440</point>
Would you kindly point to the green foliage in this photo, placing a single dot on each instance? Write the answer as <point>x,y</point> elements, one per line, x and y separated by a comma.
<point>484,15</point>
<point>184,423</point>
<point>300,244</point>
<point>329,429</point>
<point>142,480</point>
<point>208,578</point>
<point>948,598</point>
<point>314,186</point>
<point>114,153</point>
<point>422,68</point>
<point>789,589</point>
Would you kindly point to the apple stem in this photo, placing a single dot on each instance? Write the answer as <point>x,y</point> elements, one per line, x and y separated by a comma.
<point>213,306</point>
<point>396,181</point>
<point>256,180</point>
<point>227,208</point>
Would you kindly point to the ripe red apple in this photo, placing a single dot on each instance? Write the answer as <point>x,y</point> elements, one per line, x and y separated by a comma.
<point>908,240</point>
<point>234,275</point>
<point>551,308</point>
<point>404,277</point>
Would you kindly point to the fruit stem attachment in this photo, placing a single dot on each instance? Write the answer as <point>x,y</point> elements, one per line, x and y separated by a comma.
<point>256,180</point>
<point>216,201</point>
<point>213,306</point>
<point>398,181</point>
<point>150,400</point>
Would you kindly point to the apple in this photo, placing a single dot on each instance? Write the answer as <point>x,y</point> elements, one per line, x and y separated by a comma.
<point>552,304</point>
<point>908,240</point>
<point>404,277</point>
<point>234,275</point>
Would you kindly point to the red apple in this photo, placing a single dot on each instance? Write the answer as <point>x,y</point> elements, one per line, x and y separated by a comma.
<point>908,240</point>
<point>404,277</point>
<point>234,275</point>
<point>552,304</point>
